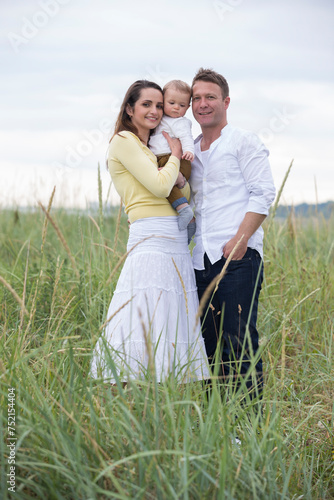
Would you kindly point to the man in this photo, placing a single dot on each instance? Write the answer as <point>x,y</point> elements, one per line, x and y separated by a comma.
<point>232,188</point>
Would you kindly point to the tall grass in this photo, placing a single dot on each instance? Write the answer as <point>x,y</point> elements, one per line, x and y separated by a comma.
<point>79,438</point>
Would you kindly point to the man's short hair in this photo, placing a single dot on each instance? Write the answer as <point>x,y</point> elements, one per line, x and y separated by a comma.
<point>178,85</point>
<point>208,75</point>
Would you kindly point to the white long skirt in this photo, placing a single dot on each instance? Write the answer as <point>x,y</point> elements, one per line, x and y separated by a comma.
<point>153,327</point>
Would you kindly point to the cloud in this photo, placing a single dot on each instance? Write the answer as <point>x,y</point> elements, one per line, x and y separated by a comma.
<point>59,88</point>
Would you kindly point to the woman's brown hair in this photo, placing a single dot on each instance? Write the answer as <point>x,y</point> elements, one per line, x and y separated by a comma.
<point>132,95</point>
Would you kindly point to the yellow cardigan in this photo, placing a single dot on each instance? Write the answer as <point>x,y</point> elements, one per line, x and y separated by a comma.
<point>134,171</point>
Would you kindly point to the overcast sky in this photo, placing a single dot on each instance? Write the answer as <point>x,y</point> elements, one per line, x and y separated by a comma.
<point>66,65</point>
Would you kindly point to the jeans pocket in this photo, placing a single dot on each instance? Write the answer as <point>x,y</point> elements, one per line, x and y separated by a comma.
<point>246,258</point>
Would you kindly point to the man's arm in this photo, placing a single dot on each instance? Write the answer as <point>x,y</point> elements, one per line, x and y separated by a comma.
<point>247,228</point>
<point>255,168</point>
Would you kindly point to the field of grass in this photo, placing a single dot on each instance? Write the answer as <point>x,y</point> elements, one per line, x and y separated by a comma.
<point>77,438</point>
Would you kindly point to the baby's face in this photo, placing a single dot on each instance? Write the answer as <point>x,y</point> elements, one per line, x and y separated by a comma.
<point>176,103</point>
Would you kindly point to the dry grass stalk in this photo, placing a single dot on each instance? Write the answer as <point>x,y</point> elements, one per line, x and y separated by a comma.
<point>62,239</point>
<point>103,246</point>
<point>284,335</point>
<point>95,223</point>
<point>148,344</point>
<point>238,469</point>
<point>118,224</point>
<point>99,406</point>
<point>55,289</point>
<point>156,306</point>
<point>33,306</point>
<point>99,185</point>
<point>62,315</point>
<point>114,314</point>
<point>45,224</point>
<point>182,283</point>
<point>15,295</point>
<point>24,289</point>
<point>3,369</point>
<point>271,360</point>
<point>291,222</point>
<point>211,289</point>
<point>148,336</point>
<point>279,194</point>
<point>109,189</point>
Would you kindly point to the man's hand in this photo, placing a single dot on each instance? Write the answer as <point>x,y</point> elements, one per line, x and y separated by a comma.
<point>188,156</point>
<point>180,181</point>
<point>240,251</point>
<point>251,222</point>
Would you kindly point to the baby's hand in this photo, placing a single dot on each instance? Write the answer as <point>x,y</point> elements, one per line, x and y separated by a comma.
<point>188,156</point>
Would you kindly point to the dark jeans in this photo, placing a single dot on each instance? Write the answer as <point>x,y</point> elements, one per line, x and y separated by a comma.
<point>233,307</point>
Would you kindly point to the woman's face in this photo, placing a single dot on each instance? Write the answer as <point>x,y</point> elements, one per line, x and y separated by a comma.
<point>147,111</point>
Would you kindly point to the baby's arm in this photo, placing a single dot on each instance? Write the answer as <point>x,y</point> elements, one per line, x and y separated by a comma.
<point>182,130</point>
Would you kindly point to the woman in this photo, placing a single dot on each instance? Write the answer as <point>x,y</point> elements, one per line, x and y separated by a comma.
<point>152,326</point>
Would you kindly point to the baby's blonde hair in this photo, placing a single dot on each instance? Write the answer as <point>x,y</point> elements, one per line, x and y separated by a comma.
<point>178,85</point>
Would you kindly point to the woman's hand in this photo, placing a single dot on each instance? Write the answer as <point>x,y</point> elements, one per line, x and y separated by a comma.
<point>174,144</point>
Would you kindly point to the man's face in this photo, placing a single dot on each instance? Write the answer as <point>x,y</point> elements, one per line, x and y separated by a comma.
<point>208,105</point>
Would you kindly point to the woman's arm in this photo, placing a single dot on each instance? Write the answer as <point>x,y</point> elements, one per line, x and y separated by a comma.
<point>128,150</point>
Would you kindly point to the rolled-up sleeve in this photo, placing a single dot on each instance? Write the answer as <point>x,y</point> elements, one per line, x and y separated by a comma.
<point>255,167</point>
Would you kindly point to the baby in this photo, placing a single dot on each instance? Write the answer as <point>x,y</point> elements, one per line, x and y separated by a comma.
<point>177,95</point>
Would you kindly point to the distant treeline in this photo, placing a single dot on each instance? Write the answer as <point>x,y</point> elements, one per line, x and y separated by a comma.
<point>282,211</point>
<point>306,210</point>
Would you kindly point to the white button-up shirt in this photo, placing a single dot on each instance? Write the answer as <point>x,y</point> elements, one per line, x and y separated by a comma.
<point>230,179</point>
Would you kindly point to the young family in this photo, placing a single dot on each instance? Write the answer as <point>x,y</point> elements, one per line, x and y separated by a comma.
<point>156,168</point>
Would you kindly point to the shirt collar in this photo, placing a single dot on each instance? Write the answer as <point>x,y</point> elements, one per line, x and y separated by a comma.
<point>223,131</point>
